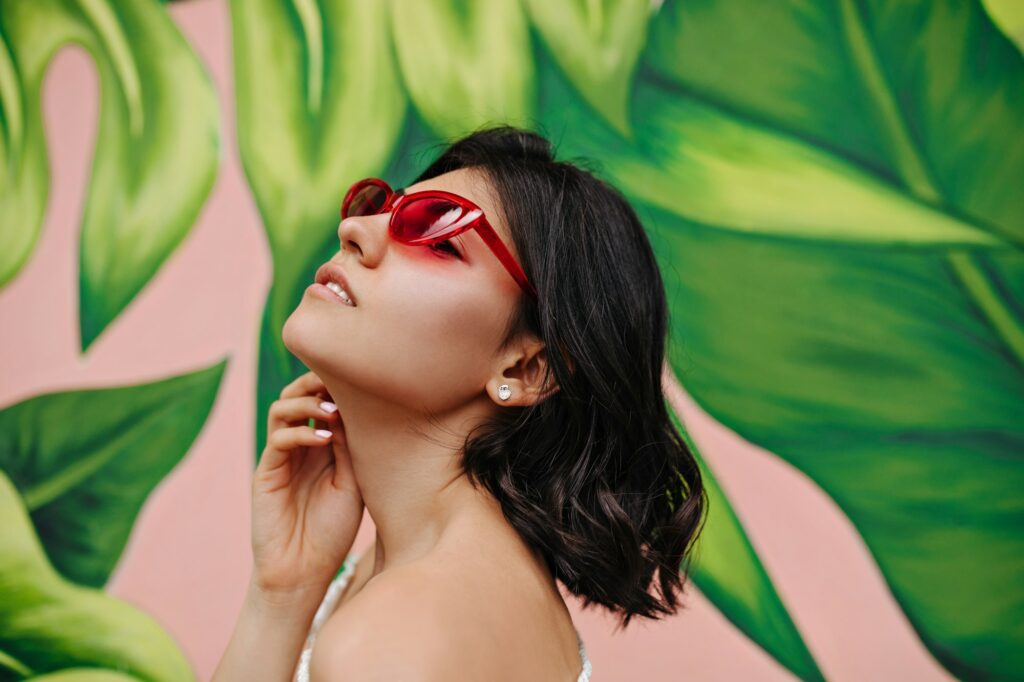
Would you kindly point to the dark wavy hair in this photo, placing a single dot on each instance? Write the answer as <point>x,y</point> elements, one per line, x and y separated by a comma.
<point>596,476</point>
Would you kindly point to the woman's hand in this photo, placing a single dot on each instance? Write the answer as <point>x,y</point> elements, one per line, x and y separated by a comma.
<point>306,504</point>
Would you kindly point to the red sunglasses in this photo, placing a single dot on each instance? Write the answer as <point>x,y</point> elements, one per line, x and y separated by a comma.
<point>428,217</point>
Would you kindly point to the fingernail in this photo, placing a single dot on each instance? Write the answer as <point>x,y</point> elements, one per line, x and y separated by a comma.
<point>323,433</point>
<point>328,407</point>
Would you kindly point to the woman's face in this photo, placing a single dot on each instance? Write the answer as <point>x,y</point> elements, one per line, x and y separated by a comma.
<point>427,325</point>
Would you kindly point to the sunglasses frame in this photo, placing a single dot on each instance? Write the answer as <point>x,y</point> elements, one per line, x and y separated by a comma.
<point>394,201</point>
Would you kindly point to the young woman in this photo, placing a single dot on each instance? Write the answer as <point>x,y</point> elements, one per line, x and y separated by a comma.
<point>486,351</point>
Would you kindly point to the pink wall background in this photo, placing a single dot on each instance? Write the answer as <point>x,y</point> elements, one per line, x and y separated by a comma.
<point>189,557</point>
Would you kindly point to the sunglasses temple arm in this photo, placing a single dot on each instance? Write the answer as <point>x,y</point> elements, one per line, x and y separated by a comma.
<point>505,256</point>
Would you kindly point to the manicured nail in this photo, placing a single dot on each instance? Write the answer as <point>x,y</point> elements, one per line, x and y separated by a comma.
<point>328,407</point>
<point>323,433</point>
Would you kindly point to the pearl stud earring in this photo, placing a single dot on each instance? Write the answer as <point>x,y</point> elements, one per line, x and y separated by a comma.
<point>504,392</point>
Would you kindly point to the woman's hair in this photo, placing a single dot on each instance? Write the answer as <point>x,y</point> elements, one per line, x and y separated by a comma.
<point>595,477</point>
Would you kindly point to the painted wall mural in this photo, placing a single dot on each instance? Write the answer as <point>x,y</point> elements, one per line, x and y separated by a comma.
<point>833,189</point>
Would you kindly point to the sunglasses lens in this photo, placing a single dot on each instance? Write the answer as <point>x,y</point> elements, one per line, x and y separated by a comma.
<point>431,219</point>
<point>367,200</point>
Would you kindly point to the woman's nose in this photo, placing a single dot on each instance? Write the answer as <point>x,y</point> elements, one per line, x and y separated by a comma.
<point>366,236</point>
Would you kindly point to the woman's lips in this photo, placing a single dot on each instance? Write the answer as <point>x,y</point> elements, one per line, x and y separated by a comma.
<point>321,291</point>
<point>332,272</point>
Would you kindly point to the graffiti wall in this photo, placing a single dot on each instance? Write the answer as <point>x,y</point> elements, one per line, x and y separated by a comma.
<point>832,188</point>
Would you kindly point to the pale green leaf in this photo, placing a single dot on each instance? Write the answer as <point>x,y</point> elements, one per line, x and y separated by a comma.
<point>465,65</point>
<point>597,43</point>
<point>74,633</point>
<point>156,150</point>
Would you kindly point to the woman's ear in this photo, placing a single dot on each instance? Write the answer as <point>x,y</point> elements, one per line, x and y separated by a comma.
<point>521,372</point>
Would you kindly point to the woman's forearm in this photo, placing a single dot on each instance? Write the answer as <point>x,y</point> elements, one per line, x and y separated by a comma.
<point>268,637</point>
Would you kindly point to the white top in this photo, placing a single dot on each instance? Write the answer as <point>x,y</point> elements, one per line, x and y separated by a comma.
<point>329,602</point>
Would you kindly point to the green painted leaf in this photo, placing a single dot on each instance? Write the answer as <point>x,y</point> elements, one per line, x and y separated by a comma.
<point>926,94</point>
<point>156,149</point>
<point>319,106</point>
<point>877,346</point>
<point>1008,15</point>
<point>85,461</point>
<point>87,674</point>
<point>465,64</point>
<point>751,179</point>
<point>77,634</point>
<point>726,568</point>
<point>873,374</point>
<point>597,45</point>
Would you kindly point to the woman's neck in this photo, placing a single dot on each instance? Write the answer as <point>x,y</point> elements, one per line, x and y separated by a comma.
<point>410,476</point>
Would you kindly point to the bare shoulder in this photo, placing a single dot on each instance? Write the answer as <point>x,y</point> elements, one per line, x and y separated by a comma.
<point>399,626</point>
<point>449,616</point>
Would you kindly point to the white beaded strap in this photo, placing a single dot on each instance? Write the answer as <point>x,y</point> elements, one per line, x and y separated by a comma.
<point>325,609</point>
<point>585,673</point>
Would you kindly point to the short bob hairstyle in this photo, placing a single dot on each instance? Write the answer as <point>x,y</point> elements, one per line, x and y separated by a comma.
<point>596,476</point>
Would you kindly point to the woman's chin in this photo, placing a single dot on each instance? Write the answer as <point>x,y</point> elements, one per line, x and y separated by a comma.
<point>294,332</point>
<point>309,336</point>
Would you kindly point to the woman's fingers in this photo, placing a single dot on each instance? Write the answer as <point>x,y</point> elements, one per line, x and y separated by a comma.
<point>281,444</point>
<point>293,410</point>
<point>287,420</point>
<point>298,436</point>
<point>306,384</point>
